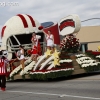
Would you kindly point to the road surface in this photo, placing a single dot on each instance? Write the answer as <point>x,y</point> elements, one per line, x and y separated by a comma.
<point>81,87</point>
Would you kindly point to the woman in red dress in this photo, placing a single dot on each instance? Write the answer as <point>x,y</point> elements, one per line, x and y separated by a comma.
<point>36,48</point>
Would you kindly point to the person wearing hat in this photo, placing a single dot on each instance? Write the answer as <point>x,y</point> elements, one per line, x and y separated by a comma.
<point>3,71</point>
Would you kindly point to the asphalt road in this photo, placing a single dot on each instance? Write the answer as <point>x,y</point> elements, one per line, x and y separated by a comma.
<point>81,87</point>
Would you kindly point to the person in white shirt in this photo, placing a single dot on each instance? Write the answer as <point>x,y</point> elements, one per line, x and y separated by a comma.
<point>49,40</point>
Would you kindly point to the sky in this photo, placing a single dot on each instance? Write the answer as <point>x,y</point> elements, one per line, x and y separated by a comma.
<point>51,10</point>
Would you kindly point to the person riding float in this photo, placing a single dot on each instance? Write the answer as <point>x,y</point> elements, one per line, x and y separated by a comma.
<point>36,48</point>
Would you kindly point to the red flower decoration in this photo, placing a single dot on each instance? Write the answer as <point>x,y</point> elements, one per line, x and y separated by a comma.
<point>29,51</point>
<point>40,27</point>
<point>69,44</point>
<point>95,53</point>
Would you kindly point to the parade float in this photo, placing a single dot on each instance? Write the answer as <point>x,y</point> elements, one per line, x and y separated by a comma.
<point>66,59</point>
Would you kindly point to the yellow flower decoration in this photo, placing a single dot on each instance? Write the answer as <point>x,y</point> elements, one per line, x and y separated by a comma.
<point>56,54</point>
<point>99,48</point>
<point>56,62</point>
<point>48,52</point>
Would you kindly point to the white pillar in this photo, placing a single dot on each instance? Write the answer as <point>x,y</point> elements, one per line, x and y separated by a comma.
<point>83,48</point>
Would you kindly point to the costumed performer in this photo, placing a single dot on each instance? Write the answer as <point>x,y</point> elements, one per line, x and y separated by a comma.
<point>36,48</point>
<point>20,56</point>
<point>3,71</point>
<point>49,40</point>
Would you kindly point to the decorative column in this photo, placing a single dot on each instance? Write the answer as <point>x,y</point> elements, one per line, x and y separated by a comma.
<point>83,48</point>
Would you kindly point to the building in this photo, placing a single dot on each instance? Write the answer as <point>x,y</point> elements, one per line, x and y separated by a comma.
<point>89,36</point>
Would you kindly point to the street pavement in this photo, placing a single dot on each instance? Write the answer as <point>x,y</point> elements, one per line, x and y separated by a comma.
<point>76,87</point>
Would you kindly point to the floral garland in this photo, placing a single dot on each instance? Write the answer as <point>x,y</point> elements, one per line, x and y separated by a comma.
<point>19,68</point>
<point>27,68</point>
<point>98,56</point>
<point>80,55</point>
<point>31,65</point>
<point>16,71</point>
<point>49,71</point>
<point>66,60</point>
<point>93,54</point>
<point>51,74</point>
<point>88,64</point>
